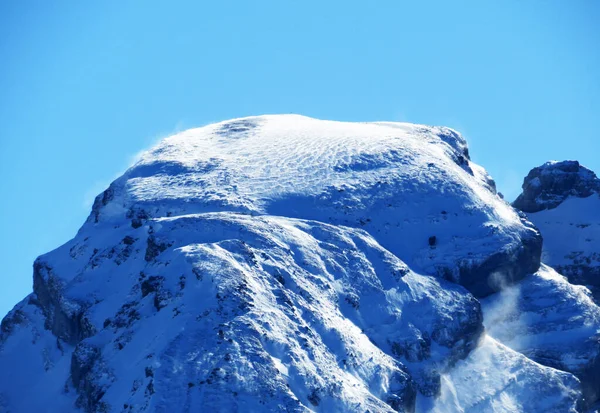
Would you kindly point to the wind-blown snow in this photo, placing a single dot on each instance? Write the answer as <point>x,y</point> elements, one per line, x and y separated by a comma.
<point>496,379</point>
<point>552,322</point>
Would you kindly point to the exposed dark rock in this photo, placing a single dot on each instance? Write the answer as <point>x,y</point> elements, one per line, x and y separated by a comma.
<point>461,150</point>
<point>472,331</point>
<point>154,248</point>
<point>85,370</point>
<point>582,274</point>
<point>402,394</point>
<point>266,291</point>
<point>128,240</point>
<point>138,217</point>
<point>547,186</point>
<point>152,284</point>
<point>126,316</point>
<point>100,201</point>
<point>150,388</point>
<point>507,267</point>
<point>353,299</point>
<point>12,319</point>
<point>314,398</point>
<point>161,299</point>
<point>65,318</point>
<point>83,358</point>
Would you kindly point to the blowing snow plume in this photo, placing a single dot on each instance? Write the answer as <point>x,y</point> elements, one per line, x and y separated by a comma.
<point>552,322</point>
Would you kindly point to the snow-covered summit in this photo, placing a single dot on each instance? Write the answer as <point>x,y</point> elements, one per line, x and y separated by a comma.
<point>547,186</point>
<point>405,184</point>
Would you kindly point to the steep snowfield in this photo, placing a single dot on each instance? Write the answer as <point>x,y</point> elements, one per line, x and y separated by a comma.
<point>282,263</point>
<point>572,238</point>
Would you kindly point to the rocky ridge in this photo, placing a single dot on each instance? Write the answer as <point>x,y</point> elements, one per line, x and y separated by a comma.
<point>547,186</point>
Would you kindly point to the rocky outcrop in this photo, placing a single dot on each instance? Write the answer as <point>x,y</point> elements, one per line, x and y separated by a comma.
<point>505,267</point>
<point>15,318</point>
<point>65,317</point>
<point>90,378</point>
<point>547,186</point>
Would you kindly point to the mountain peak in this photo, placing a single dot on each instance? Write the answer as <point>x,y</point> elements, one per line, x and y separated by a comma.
<point>548,185</point>
<point>283,263</point>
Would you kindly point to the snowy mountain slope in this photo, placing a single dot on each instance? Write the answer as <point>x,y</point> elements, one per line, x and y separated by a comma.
<point>281,263</point>
<point>563,200</point>
<point>551,322</point>
<point>332,319</point>
<point>572,239</point>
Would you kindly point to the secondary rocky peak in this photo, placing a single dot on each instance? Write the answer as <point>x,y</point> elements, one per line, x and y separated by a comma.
<point>548,185</point>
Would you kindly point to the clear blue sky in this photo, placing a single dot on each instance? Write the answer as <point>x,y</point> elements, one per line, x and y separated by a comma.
<point>84,86</point>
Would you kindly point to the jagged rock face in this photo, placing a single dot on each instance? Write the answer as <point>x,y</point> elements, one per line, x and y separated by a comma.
<point>280,263</point>
<point>547,186</point>
<point>563,200</point>
<point>65,318</point>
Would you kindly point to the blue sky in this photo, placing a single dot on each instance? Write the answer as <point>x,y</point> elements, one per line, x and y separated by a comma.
<point>84,86</point>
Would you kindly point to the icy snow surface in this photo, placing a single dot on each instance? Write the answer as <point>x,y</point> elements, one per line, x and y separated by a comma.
<point>571,234</point>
